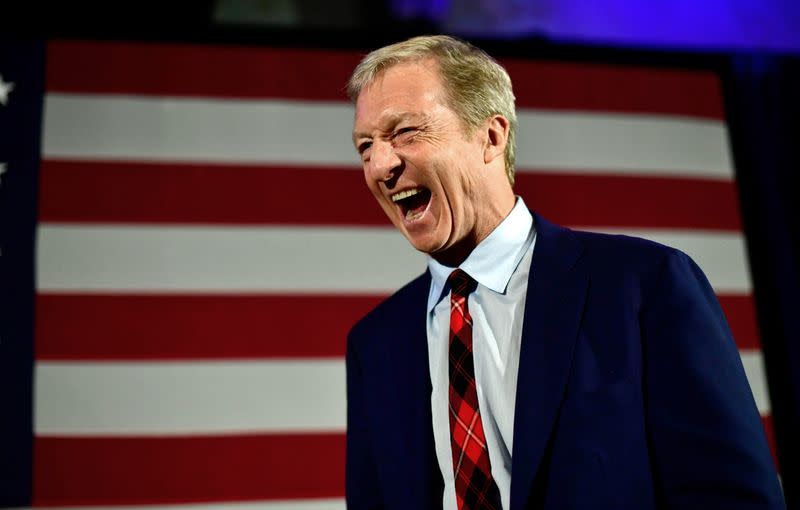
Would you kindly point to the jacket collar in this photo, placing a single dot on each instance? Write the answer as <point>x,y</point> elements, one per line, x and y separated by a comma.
<point>553,309</point>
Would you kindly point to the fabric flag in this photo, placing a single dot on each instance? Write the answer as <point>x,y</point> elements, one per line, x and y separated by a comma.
<point>205,241</point>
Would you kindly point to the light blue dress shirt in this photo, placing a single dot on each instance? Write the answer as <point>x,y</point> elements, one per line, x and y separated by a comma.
<point>500,264</point>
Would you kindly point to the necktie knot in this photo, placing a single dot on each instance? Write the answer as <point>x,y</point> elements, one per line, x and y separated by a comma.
<point>461,284</point>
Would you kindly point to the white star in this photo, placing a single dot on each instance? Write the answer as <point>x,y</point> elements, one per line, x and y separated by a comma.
<point>5,89</point>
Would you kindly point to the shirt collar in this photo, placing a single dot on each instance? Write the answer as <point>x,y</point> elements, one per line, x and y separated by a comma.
<point>494,260</point>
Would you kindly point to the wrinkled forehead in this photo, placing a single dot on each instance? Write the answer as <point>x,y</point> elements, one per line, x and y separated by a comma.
<point>388,121</point>
<point>404,89</point>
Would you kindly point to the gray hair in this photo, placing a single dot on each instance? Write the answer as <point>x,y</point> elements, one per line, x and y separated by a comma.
<point>476,86</point>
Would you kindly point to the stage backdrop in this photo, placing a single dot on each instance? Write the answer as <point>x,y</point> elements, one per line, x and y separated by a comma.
<point>205,241</point>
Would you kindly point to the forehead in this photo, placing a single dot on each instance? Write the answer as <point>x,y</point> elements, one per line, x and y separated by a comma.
<point>403,90</point>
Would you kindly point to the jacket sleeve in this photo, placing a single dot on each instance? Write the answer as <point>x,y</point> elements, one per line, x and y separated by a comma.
<point>361,485</point>
<point>706,438</point>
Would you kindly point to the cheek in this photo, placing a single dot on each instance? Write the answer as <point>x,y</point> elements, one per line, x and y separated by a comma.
<point>377,193</point>
<point>372,185</point>
<point>453,187</point>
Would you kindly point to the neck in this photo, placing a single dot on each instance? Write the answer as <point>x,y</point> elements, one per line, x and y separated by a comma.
<point>454,255</point>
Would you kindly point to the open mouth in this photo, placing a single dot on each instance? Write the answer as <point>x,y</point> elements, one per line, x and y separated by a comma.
<point>412,202</point>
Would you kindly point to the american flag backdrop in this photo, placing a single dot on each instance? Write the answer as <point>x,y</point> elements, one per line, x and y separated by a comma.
<point>205,240</point>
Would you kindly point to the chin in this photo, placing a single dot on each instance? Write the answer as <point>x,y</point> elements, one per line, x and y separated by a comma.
<point>419,246</point>
<point>428,246</point>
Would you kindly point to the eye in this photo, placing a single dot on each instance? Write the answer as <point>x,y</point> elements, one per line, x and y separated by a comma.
<point>404,135</point>
<point>364,147</point>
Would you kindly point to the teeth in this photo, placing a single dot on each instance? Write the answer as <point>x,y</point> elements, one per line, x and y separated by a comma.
<point>411,215</point>
<point>405,194</point>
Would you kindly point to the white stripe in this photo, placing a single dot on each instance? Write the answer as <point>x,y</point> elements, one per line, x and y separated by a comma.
<point>270,259</point>
<point>142,398</point>
<point>300,504</point>
<point>146,398</point>
<point>721,255</point>
<point>282,259</point>
<point>624,144</point>
<point>272,131</point>
<point>753,361</point>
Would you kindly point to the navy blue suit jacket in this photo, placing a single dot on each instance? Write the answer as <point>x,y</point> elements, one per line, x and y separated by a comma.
<point>630,394</point>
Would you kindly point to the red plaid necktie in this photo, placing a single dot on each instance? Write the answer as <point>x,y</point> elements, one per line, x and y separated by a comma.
<point>475,487</point>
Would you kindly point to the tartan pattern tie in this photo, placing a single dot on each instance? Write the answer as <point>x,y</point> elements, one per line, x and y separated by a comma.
<point>475,487</point>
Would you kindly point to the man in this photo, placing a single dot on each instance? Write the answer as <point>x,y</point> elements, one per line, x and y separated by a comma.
<point>531,366</point>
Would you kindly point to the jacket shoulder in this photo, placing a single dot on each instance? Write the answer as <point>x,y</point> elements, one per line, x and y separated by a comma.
<point>620,243</point>
<point>604,251</point>
<point>623,252</point>
<point>637,268</point>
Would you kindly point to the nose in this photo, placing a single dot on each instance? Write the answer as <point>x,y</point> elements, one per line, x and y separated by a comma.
<point>384,163</point>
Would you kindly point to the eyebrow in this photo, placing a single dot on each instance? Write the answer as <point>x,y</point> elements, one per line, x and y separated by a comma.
<point>393,120</point>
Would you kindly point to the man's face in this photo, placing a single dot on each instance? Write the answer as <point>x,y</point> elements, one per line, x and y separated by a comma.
<point>425,171</point>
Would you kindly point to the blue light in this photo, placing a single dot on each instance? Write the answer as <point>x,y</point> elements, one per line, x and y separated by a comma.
<point>761,25</point>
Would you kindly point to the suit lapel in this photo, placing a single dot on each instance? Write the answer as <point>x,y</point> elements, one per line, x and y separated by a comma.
<point>553,309</point>
<point>410,454</point>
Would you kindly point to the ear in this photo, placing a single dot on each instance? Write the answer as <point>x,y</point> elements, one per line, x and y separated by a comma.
<point>496,129</point>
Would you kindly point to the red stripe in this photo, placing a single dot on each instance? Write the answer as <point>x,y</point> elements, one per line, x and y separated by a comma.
<point>176,193</point>
<point>628,201</point>
<point>597,87</point>
<point>195,327</point>
<point>130,471</point>
<point>195,70</point>
<point>141,327</point>
<point>134,471</point>
<point>127,192</point>
<point>741,314</point>
<point>769,430</point>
